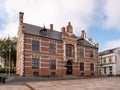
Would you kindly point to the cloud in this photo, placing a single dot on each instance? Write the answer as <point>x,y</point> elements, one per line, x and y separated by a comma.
<point>112,44</point>
<point>40,12</point>
<point>112,12</point>
<point>10,30</point>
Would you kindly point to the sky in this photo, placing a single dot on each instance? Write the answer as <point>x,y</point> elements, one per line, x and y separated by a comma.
<point>99,18</point>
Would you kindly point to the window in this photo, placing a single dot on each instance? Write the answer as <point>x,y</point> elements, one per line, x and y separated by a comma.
<point>35,45</point>
<point>91,67</point>
<point>110,68</point>
<point>43,32</point>
<point>91,54</point>
<point>52,48</point>
<point>35,63</point>
<point>104,70</point>
<point>104,60</point>
<point>110,60</point>
<point>68,50</point>
<point>81,52</point>
<point>52,64</point>
<point>118,51</point>
<point>82,66</point>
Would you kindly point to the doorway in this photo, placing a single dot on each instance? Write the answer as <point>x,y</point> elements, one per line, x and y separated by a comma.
<point>69,68</point>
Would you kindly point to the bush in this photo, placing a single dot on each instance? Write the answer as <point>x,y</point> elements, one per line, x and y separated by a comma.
<point>3,70</point>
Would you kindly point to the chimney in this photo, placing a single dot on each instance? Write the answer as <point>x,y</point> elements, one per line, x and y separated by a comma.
<point>51,26</point>
<point>21,18</point>
<point>63,29</point>
<point>83,34</point>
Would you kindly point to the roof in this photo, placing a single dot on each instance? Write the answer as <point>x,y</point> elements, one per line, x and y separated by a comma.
<point>35,30</point>
<point>84,42</point>
<point>52,34</point>
<point>107,52</point>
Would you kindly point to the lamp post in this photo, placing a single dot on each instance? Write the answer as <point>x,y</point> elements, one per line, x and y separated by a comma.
<point>9,59</point>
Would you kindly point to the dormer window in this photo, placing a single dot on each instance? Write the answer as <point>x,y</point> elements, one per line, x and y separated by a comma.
<point>43,32</point>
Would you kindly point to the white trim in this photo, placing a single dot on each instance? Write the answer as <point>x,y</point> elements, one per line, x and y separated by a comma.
<point>84,51</point>
<point>39,62</point>
<point>64,48</point>
<point>56,64</point>
<point>22,56</point>
<point>75,45</point>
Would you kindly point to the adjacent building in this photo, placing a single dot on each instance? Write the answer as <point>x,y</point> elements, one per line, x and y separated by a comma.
<point>110,62</point>
<point>2,62</point>
<point>46,52</point>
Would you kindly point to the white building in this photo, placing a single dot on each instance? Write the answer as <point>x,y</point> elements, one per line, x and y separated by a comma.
<point>2,62</point>
<point>109,61</point>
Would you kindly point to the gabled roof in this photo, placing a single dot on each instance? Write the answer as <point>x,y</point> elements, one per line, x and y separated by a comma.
<point>35,30</point>
<point>84,42</point>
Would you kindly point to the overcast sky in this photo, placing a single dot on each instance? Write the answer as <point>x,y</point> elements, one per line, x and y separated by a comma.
<point>99,18</point>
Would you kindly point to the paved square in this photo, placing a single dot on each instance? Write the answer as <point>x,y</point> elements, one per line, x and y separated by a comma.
<point>109,83</point>
<point>112,83</point>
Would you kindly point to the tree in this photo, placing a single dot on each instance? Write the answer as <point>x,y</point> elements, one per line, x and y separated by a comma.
<point>8,47</point>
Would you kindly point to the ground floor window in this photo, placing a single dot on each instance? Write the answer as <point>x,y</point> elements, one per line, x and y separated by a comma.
<point>35,63</point>
<point>92,67</point>
<point>104,70</point>
<point>52,64</point>
<point>110,69</point>
<point>82,66</point>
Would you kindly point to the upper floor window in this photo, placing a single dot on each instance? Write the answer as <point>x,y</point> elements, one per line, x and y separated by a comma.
<point>35,63</point>
<point>118,51</point>
<point>91,54</point>
<point>92,67</point>
<point>35,45</point>
<point>104,60</point>
<point>68,50</point>
<point>110,59</point>
<point>52,48</point>
<point>52,64</point>
<point>82,66</point>
<point>81,52</point>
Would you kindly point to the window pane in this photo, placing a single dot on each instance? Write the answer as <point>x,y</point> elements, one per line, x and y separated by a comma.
<point>52,48</point>
<point>35,45</point>
<point>91,54</point>
<point>82,52</point>
<point>68,50</point>
<point>91,67</point>
<point>82,66</point>
<point>35,63</point>
<point>52,64</point>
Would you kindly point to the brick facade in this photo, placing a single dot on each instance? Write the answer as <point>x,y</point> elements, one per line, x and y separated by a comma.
<point>66,55</point>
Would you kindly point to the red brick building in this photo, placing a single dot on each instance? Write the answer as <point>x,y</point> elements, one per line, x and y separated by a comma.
<point>46,52</point>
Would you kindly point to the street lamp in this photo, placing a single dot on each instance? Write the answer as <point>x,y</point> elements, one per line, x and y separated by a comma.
<point>9,59</point>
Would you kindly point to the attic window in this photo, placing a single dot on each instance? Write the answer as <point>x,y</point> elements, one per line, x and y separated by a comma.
<point>43,32</point>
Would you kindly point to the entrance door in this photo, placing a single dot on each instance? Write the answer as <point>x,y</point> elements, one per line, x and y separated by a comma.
<point>69,68</point>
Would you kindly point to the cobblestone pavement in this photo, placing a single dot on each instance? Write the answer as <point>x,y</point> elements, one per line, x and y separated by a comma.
<point>109,83</point>
<point>112,83</point>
